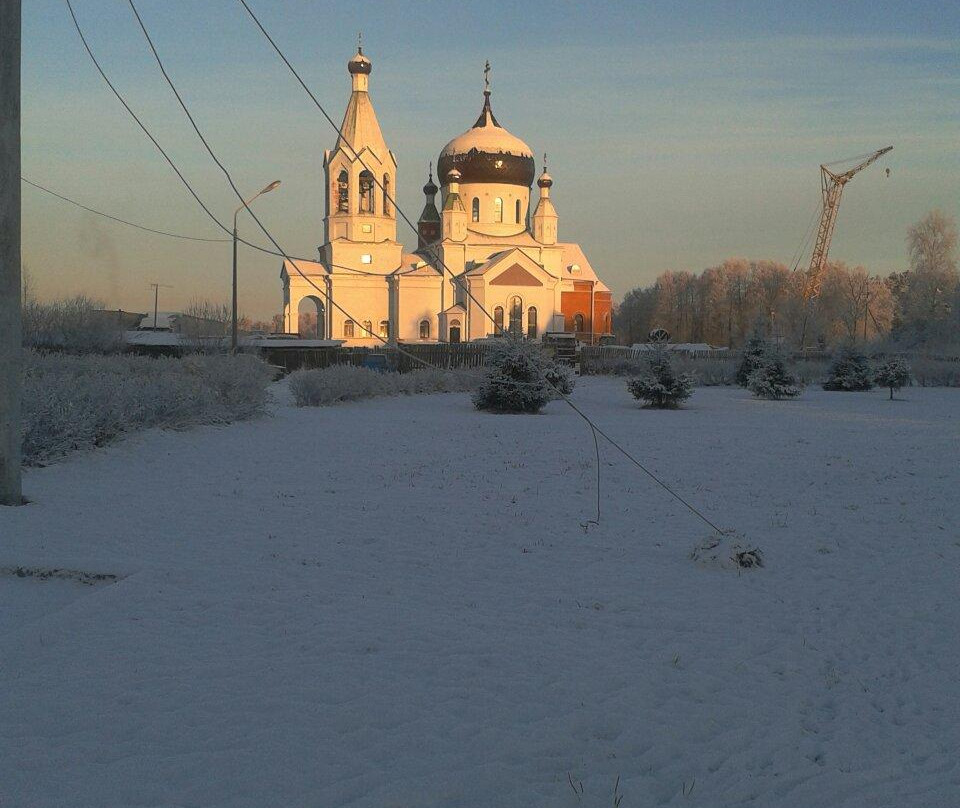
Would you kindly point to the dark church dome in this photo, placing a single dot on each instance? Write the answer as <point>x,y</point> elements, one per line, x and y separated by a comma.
<point>488,153</point>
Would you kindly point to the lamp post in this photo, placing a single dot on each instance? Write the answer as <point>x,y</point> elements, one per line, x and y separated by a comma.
<point>233,321</point>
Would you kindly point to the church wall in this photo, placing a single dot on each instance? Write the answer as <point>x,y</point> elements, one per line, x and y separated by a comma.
<point>385,257</point>
<point>419,299</point>
<point>576,302</point>
<point>603,312</point>
<point>486,193</point>
<point>542,298</point>
<point>366,298</point>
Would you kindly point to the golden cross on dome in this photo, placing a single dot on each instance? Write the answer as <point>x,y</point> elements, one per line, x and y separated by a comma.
<point>486,77</point>
<point>359,41</point>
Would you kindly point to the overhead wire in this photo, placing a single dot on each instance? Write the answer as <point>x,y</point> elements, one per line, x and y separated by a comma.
<point>117,218</point>
<point>564,397</point>
<point>455,278</point>
<point>193,193</point>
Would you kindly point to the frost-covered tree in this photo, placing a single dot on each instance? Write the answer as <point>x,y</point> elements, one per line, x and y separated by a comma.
<point>850,371</point>
<point>520,378</point>
<point>754,354</point>
<point>893,373</point>
<point>659,385</point>
<point>771,380</point>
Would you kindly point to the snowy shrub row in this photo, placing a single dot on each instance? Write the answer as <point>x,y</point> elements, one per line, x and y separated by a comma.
<point>76,323</point>
<point>322,387</point>
<point>77,402</point>
<point>935,372</point>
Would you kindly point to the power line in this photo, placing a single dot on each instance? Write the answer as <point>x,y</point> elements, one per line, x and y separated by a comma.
<point>117,219</point>
<point>415,358</point>
<point>465,287</point>
<point>240,196</point>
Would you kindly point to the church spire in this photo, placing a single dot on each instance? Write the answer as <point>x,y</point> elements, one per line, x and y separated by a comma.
<point>428,227</point>
<point>486,114</point>
<point>545,217</point>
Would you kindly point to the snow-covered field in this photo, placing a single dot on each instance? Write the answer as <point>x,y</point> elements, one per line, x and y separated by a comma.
<point>394,603</point>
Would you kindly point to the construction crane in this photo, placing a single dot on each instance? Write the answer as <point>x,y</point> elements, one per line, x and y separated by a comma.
<point>831,187</point>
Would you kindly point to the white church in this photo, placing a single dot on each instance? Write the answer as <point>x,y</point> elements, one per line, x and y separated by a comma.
<point>483,248</point>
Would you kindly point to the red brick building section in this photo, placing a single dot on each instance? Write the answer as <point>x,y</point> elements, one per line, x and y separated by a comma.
<point>595,308</point>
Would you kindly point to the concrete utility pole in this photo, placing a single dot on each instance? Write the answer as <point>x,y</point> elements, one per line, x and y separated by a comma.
<point>10,282</point>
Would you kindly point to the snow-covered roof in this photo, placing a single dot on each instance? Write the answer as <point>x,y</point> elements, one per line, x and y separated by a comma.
<point>165,320</point>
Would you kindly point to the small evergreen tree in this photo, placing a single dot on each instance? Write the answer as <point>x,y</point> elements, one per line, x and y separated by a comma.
<point>893,373</point>
<point>850,371</point>
<point>772,381</point>
<point>520,378</point>
<point>659,385</point>
<point>754,354</point>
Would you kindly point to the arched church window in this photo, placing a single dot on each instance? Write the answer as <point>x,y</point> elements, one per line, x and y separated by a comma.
<point>424,329</point>
<point>516,316</point>
<point>348,329</point>
<point>498,319</point>
<point>475,210</point>
<point>498,209</point>
<point>454,331</point>
<point>578,323</point>
<point>518,211</point>
<point>343,192</point>
<point>386,194</point>
<point>532,322</point>
<point>368,328</point>
<point>384,329</point>
<point>367,188</point>
<point>606,323</point>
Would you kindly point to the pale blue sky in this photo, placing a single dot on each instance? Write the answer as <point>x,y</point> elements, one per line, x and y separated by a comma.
<point>678,133</point>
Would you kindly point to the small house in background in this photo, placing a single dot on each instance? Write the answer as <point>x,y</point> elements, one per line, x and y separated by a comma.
<point>174,322</point>
<point>120,319</point>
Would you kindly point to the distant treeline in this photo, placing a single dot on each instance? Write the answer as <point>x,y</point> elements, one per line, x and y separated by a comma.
<point>916,308</point>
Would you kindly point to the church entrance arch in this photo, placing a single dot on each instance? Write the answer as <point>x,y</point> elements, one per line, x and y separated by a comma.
<point>454,331</point>
<point>310,318</point>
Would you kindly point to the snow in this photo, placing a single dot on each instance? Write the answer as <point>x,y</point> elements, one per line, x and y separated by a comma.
<point>398,602</point>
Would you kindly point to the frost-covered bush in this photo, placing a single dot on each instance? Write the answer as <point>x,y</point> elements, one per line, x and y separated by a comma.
<point>771,380</point>
<point>78,402</point>
<point>849,371</point>
<point>659,385</point>
<point>520,377</point>
<point>325,386</point>
<point>936,372</point>
<point>74,324</point>
<point>707,371</point>
<point>893,373</point>
<point>754,354</point>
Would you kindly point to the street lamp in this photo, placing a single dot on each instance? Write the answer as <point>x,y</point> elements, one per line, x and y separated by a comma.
<point>233,322</point>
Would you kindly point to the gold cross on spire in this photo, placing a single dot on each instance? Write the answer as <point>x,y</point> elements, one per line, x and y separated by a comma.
<point>486,77</point>
<point>359,41</point>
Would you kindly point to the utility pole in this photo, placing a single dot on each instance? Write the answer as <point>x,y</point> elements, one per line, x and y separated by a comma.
<point>156,299</point>
<point>11,350</point>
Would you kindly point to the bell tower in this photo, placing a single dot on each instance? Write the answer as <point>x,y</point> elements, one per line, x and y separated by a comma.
<point>360,171</point>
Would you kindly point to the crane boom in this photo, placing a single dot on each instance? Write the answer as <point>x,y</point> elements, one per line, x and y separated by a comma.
<point>831,186</point>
